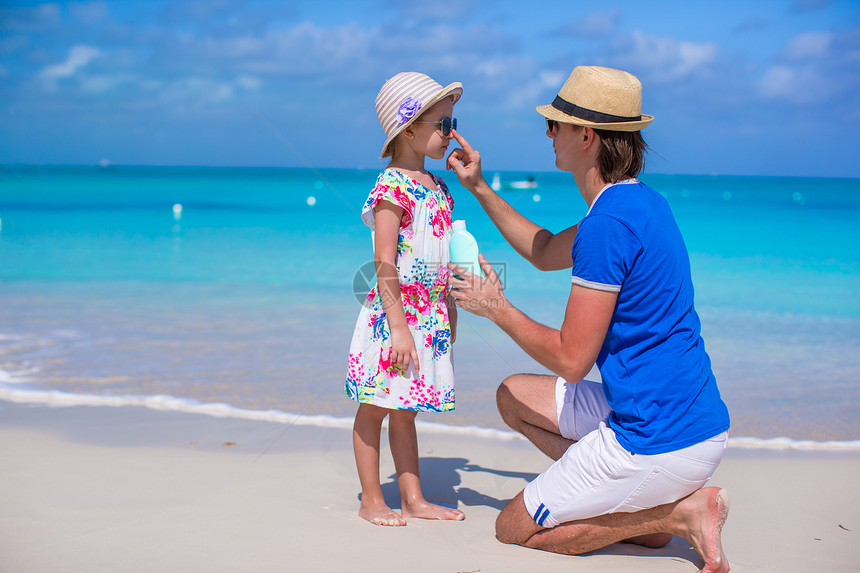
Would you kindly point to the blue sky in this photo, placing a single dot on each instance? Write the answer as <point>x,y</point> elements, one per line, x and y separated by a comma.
<point>737,87</point>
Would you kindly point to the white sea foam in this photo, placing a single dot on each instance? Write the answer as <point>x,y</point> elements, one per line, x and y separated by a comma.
<point>18,377</point>
<point>168,403</point>
<point>791,444</point>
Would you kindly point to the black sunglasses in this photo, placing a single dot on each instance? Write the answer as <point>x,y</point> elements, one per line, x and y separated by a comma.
<point>448,123</point>
<point>551,124</point>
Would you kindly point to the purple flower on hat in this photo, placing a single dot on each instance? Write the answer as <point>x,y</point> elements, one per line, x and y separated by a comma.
<point>408,109</point>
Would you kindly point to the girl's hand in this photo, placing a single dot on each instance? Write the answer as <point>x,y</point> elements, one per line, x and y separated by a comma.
<point>403,349</point>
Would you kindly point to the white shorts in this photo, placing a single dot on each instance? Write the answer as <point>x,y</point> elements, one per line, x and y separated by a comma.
<point>597,476</point>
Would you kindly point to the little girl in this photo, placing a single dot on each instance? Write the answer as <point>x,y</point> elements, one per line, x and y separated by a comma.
<point>400,356</point>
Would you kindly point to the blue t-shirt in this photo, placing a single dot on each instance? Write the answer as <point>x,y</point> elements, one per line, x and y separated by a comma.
<point>656,374</point>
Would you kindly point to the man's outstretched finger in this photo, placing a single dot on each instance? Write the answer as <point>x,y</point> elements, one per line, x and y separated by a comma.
<point>462,141</point>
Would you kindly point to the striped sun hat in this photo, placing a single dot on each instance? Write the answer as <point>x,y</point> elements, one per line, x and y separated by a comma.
<point>404,97</point>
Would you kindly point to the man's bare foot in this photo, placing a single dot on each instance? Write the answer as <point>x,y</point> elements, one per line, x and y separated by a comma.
<point>426,510</point>
<point>381,515</point>
<point>705,513</point>
<point>654,540</point>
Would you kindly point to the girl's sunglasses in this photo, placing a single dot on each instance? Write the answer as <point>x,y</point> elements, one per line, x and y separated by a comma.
<point>448,123</point>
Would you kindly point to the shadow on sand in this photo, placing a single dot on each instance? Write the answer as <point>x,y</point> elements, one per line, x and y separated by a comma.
<point>440,483</point>
<point>440,478</point>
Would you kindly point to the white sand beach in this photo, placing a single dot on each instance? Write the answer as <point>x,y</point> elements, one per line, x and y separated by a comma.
<point>101,489</point>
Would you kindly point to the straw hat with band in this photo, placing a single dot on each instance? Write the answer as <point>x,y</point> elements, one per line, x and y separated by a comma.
<point>600,98</point>
<point>404,97</point>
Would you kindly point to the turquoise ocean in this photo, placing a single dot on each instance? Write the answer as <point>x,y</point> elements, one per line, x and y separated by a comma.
<point>231,292</point>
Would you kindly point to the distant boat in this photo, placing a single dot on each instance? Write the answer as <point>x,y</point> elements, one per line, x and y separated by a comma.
<point>528,183</point>
<point>497,182</point>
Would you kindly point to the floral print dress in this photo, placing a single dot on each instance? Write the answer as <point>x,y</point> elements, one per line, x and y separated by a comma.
<point>422,256</point>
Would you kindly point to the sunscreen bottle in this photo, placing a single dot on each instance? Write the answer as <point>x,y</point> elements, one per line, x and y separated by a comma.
<point>463,249</point>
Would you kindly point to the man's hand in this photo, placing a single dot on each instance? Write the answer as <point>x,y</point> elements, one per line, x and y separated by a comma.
<point>465,161</point>
<point>481,296</point>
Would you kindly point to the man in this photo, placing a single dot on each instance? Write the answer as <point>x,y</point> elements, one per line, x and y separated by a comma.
<point>632,454</point>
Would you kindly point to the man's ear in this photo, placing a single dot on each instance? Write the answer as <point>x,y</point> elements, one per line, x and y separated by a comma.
<point>589,137</point>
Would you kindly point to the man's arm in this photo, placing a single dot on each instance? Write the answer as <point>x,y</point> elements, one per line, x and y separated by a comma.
<point>545,250</point>
<point>569,352</point>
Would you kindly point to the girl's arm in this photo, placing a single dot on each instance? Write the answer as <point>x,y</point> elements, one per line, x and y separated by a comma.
<point>387,236</point>
<point>452,317</point>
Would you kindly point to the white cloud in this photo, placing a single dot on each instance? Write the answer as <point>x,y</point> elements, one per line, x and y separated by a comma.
<point>693,57</point>
<point>102,83</point>
<point>514,82</point>
<point>196,94</point>
<point>249,82</point>
<point>779,81</point>
<point>313,45</point>
<point>552,79</point>
<point>79,56</point>
<point>799,85</point>
<point>663,59</point>
<point>809,45</point>
<point>302,49</point>
<point>491,68</point>
<point>527,93</point>
<point>813,67</point>
<point>194,91</point>
<point>442,46</point>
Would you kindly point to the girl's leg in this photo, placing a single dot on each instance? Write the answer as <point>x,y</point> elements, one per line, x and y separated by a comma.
<point>404,449</point>
<point>365,440</point>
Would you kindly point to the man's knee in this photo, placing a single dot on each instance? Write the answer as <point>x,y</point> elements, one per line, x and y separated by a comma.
<point>508,394</point>
<point>505,534</point>
<point>513,524</point>
<point>506,398</point>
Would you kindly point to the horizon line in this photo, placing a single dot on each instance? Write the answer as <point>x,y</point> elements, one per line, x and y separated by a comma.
<point>121,166</point>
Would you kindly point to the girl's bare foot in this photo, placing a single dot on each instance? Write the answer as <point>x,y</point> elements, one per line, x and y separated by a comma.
<point>426,510</point>
<point>381,515</point>
<point>706,512</point>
